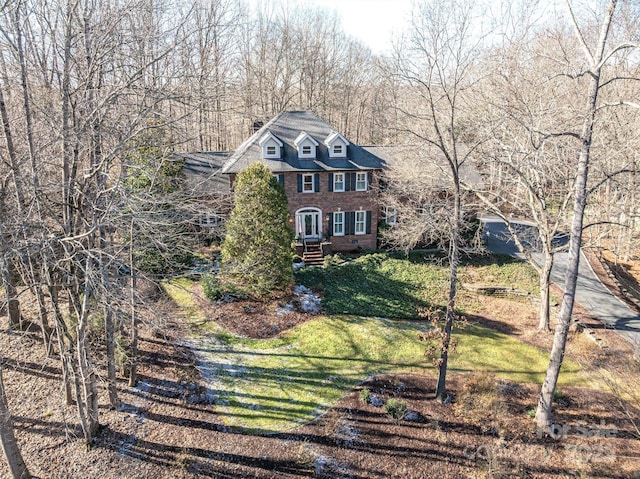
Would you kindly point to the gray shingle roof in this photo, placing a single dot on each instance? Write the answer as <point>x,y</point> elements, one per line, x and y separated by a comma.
<point>286,127</point>
<point>427,161</point>
<point>203,174</point>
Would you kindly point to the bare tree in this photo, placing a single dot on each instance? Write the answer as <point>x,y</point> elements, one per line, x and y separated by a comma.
<point>8,441</point>
<point>527,171</point>
<point>436,68</point>
<point>596,57</point>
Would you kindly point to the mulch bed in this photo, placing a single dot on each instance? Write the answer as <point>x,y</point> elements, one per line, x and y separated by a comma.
<point>166,431</point>
<point>253,319</point>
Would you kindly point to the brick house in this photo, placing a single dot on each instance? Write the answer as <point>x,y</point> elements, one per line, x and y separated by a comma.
<point>331,183</point>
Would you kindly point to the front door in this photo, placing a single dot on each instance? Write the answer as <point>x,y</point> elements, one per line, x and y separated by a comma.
<point>308,224</point>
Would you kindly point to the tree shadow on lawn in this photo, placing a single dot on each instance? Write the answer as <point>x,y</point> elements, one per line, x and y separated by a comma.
<point>363,288</point>
<point>500,326</point>
<point>286,387</point>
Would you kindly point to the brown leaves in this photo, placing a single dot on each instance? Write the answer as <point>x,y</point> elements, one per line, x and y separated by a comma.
<point>439,342</point>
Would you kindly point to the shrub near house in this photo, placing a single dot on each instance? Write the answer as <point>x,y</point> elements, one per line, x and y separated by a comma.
<point>257,252</point>
<point>330,183</point>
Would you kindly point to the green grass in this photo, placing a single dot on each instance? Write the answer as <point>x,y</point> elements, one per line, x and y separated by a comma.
<point>398,286</point>
<point>516,273</point>
<point>379,285</point>
<point>276,384</point>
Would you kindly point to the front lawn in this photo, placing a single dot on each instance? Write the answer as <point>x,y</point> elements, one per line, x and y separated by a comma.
<point>395,285</point>
<point>270,385</point>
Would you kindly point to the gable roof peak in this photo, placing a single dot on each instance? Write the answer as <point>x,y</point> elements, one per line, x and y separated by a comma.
<point>303,136</point>
<point>268,136</point>
<point>333,137</point>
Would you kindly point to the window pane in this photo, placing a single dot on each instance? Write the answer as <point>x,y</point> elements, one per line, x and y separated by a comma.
<point>338,223</point>
<point>391,215</point>
<point>360,222</point>
<point>338,182</point>
<point>307,183</point>
<point>361,181</point>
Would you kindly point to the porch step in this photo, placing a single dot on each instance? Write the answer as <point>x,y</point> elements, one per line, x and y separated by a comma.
<point>313,255</point>
<point>313,258</point>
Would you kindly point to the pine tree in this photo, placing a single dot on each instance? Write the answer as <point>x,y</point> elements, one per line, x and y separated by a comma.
<point>257,250</point>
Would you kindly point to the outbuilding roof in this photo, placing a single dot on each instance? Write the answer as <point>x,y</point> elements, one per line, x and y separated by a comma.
<point>428,162</point>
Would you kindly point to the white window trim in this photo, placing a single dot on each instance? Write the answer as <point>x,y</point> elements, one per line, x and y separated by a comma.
<point>335,181</point>
<point>208,220</point>
<point>313,184</point>
<point>334,139</point>
<point>304,140</point>
<point>391,215</point>
<point>358,181</point>
<point>341,223</point>
<point>362,222</point>
<point>269,140</point>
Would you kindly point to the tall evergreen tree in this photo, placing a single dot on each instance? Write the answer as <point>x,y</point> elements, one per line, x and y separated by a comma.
<point>257,249</point>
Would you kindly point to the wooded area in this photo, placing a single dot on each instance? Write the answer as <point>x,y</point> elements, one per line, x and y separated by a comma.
<point>95,96</point>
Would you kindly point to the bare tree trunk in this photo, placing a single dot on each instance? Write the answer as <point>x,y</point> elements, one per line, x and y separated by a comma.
<point>11,151</point>
<point>454,246</point>
<point>68,157</point>
<point>26,104</point>
<point>544,416</point>
<point>35,277</point>
<point>133,345</point>
<point>8,267</point>
<point>11,292</point>
<point>111,357</point>
<point>10,447</point>
<point>88,390</point>
<point>62,335</point>
<point>545,283</point>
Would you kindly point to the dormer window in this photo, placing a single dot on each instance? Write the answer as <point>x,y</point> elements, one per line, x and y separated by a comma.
<point>306,145</point>
<point>337,145</point>
<point>271,146</point>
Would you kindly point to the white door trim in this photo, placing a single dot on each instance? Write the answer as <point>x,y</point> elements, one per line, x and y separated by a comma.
<point>309,223</point>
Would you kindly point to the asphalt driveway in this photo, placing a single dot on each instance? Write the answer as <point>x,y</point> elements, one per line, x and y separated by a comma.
<point>590,292</point>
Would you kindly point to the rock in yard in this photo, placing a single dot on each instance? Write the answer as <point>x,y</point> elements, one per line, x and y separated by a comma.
<point>414,416</point>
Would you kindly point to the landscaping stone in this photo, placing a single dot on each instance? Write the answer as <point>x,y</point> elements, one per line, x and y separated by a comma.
<point>414,416</point>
